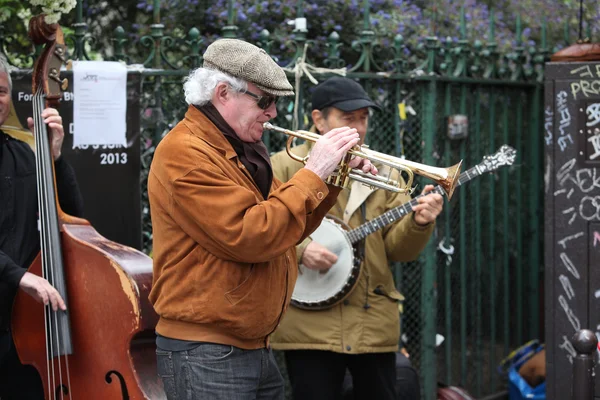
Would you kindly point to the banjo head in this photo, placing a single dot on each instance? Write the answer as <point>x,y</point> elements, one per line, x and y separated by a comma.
<point>319,290</point>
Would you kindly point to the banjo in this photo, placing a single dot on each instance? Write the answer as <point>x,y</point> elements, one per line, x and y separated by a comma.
<point>316,290</point>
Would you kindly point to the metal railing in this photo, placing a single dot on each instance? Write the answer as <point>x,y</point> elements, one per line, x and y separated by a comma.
<point>585,343</point>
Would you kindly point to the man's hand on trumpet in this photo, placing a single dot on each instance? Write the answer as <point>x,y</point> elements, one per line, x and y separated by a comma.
<point>329,150</point>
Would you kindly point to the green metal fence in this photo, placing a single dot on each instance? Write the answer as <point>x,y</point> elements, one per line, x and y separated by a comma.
<point>478,281</point>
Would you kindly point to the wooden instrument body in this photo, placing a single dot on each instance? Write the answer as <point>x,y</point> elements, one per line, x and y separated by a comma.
<point>112,322</point>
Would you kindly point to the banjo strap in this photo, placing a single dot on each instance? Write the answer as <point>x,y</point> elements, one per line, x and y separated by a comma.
<point>361,244</point>
<point>363,256</point>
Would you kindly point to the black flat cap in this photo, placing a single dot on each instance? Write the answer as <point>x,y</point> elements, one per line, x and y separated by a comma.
<point>341,93</point>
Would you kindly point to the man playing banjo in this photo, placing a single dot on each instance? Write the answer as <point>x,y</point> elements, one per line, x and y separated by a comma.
<point>360,333</point>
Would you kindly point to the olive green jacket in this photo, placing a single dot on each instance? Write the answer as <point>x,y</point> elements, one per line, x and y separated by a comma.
<point>368,321</point>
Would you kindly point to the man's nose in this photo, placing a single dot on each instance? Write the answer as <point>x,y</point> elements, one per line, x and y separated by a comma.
<point>360,128</point>
<point>271,111</point>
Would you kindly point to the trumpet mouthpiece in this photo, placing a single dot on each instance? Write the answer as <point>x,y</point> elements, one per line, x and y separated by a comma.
<point>267,125</point>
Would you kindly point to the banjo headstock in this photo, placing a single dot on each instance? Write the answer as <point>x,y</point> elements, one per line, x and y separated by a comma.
<point>505,155</point>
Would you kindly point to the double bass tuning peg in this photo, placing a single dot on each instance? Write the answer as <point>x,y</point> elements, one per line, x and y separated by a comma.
<point>65,82</point>
<point>54,75</point>
<point>59,51</point>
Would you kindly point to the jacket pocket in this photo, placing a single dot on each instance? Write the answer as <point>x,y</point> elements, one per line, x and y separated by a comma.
<point>392,294</point>
<point>165,370</point>
<point>240,292</point>
<point>211,352</point>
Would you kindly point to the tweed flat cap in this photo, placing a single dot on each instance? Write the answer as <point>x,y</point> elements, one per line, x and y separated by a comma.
<point>248,62</point>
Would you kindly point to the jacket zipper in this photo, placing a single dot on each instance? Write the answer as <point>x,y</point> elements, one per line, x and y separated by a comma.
<point>287,262</point>
<point>287,278</point>
<point>245,171</point>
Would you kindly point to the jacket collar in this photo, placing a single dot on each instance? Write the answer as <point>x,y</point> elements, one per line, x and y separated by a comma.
<point>203,128</point>
<point>358,195</point>
<point>360,192</point>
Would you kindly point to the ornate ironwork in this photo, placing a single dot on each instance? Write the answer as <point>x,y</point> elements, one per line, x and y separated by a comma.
<point>194,41</point>
<point>333,45</point>
<point>119,40</point>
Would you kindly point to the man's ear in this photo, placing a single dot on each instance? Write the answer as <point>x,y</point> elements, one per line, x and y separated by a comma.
<point>222,92</point>
<point>318,120</point>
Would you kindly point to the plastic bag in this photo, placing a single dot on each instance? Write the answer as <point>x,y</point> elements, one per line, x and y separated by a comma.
<point>518,388</point>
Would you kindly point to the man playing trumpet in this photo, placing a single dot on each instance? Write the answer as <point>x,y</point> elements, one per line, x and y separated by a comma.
<point>361,333</point>
<point>225,231</point>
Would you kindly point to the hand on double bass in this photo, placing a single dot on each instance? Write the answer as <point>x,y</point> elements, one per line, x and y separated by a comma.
<point>41,290</point>
<point>54,122</point>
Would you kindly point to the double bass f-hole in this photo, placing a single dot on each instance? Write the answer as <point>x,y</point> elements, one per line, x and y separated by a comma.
<point>109,379</point>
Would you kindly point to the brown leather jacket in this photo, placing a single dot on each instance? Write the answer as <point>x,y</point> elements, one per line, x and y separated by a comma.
<point>224,257</point>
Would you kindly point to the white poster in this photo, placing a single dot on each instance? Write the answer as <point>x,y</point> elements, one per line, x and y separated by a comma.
<point>100,103</point>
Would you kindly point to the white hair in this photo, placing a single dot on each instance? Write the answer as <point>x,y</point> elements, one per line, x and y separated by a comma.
<point>200,84</point>
<point>5,68</point>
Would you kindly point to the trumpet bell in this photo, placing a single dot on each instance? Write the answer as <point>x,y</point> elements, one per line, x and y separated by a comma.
<point>450,183</point>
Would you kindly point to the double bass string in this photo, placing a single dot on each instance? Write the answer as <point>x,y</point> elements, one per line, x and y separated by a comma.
<point>48,217</point>
<point>53,253</point>
<point>50,255</point>
<point>41,210</point>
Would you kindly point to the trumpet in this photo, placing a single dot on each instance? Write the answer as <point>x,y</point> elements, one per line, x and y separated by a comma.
<point>447,178</point>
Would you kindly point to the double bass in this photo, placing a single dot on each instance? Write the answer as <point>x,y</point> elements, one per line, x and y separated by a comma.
<point>102,346</point>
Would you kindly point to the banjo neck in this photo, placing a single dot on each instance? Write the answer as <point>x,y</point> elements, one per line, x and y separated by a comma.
<point>391,216</point>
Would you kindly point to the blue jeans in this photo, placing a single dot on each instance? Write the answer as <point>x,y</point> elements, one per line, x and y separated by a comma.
<point>214,372</point>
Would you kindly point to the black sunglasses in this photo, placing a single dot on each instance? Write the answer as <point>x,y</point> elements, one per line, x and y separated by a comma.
<point>263,102</point>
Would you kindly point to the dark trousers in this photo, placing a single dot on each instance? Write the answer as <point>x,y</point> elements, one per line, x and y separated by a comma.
<point>17,381</point>
<point>319,375</point>
<point>408,386</point>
